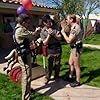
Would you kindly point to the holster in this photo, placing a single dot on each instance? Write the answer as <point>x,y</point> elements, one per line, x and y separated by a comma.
<point>78,46</point>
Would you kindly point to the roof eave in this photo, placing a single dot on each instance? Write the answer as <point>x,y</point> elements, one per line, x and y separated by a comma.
<point>34,8</point>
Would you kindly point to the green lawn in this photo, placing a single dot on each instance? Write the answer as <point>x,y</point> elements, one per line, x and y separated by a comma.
<point>90,74</point>
<point>93,39</point>
<point>90,65</point>
<point>11,91</point>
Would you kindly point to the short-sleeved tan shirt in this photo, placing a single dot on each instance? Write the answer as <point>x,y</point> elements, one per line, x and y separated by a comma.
<point>76,31</point>
<point>21,33</point>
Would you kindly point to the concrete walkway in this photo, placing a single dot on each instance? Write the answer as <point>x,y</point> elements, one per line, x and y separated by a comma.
<point>60,89</point>
<point>91,46</point>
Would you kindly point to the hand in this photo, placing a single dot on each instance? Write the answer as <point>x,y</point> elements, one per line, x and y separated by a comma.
<point>50,31</point>
<point>32,45</point>
<point>65,26</point>
<point>62,31</point>
<point>38,30</point>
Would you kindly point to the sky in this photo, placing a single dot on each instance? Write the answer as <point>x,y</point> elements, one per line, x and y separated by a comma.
<point>45,2</point>
<point>48,3</point>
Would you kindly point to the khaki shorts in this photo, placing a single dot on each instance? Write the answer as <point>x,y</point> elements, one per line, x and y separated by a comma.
<point>75,52</point>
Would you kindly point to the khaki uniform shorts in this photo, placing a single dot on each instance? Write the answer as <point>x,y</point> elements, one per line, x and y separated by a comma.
<point>75,52</point>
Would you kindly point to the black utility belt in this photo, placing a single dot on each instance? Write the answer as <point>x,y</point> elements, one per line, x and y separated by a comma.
<point>23,51</point>
<point>78,45</point>
<point>72,46</point>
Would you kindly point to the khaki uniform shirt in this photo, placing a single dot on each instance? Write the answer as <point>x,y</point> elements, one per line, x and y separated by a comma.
<point>76,31</point>
<point>21,33</point>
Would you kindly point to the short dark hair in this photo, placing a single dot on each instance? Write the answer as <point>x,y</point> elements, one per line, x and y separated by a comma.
<point>22,17</point>
<point>45,18</point>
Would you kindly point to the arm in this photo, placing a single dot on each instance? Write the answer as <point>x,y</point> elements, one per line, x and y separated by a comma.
<point>69,38</point>
<point>57,36</point>
<point>35,33</point>
<point>45,37</point>
<point>24,33</point>
<point>35,44</point>
<point>54,34</point>
<point>46,40</point>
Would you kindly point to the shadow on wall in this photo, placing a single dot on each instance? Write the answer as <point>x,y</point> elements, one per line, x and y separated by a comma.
<point>6,41</point>
<point>3,53</point>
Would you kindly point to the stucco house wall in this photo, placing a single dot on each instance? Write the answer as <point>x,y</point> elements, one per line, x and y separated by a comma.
<point>8,11</point>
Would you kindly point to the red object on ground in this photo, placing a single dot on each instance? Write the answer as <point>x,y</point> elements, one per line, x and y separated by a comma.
<point>15,74</point>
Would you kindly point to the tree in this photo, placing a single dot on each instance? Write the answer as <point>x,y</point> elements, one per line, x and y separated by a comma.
<point>89,7</point>
<point>82,8</point>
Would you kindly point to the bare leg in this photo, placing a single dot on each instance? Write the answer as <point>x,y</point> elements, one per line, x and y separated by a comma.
<point>77,67</point>
<point>71,69</point>
<point>76,63</point>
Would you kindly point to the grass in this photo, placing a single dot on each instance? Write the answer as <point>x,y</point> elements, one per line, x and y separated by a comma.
<point>93,39</point>
<point>90,65</point>
<point>8,90</point>
<point>90,62</point>
<point>11,91</point>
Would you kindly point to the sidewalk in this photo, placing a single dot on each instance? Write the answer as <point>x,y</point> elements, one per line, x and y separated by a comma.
<point>91,46</point>
<point>59,90</point>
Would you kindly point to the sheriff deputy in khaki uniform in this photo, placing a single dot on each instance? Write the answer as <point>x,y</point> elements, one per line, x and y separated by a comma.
<point>75,41</point>
<point>22,38</point>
